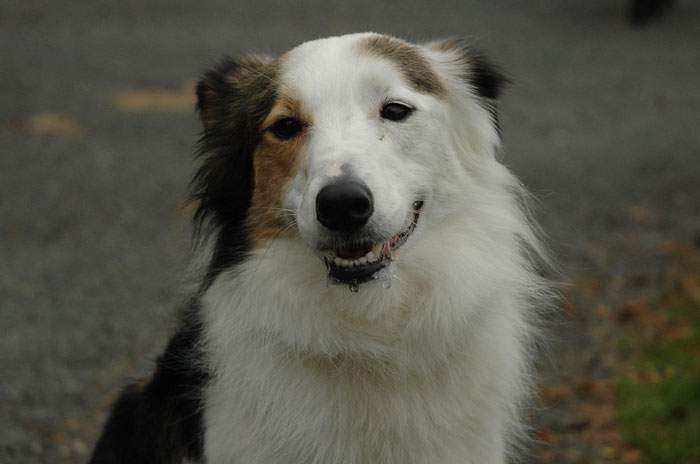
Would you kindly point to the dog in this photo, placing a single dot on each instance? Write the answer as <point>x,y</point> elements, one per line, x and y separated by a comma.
<point>369,280</point>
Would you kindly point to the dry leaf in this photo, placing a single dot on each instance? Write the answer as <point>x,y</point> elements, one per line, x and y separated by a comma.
<point>632,456</point>
<point>691,285</point>
<point>54,124</point>
<point>547,436</point>
<point>602,311</point>
<point>608,452</point>
<point>640,214</point>
<point>556,393</point>
<point>632,309</point>
<point>682,330</point>
<point>546,456</point>
<point>180,100</point>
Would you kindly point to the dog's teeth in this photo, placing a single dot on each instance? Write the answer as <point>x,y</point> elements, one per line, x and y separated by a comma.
<point>369,257</point>
<point>362,260</point>
<point>337,260</point>
<point>387,249</point>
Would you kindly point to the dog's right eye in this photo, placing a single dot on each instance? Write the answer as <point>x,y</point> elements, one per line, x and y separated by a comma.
<point>394,111</point>
<point>286,128</point>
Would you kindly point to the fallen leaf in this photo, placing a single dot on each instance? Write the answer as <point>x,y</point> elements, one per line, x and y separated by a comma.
<point>632,309</point>
<point>547,436</point>
<point>180,100</point>
<point>594,388</point>
<point>679,331</point>
<point>669,372</point>
<point>608,452</point>
<point>631,456</point>
<point>576,424</point>
<point>546,456</point>
<point>55,124</point>
<point>609,359</point>
<point>691,285</point>
<point>671,246</point>
<point>572,455</point>
<point>556,393</point>
<point>602,311</point>
<point>640,214</point>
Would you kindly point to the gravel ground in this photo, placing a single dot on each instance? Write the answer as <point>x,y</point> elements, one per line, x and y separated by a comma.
<point>97,134</point>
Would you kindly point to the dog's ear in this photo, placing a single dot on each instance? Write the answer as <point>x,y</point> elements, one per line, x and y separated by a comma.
<point>484,79</point>
<point>233,98</point>
<point>234,89</point>
<point>479,72</point>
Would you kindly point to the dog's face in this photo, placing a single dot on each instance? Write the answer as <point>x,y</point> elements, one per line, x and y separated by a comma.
<point>350,143</point>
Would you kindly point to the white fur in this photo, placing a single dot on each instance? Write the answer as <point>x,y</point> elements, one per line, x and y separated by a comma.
<point>432,369</point>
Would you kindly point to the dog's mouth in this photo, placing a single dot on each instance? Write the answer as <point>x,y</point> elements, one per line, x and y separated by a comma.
<point>355,264</point>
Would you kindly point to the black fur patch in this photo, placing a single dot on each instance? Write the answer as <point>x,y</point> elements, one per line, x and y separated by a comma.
<point>488,81</point>
<point>161,421</point>
<point>485,77</point>
<point>233,100</point>
<point>480,73</point>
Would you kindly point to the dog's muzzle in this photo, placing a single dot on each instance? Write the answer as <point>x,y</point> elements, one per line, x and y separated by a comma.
<point>344,207</point>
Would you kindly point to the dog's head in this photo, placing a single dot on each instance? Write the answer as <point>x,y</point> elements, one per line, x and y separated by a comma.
<point>351,144</point>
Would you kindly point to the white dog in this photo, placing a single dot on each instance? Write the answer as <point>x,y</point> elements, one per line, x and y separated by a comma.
<point>371,283</point>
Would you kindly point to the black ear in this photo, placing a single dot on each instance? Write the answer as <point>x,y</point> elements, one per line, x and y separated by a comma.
<point>486,78</point>
<point>214,91</point>
<point>480,73</point>
<point>233,98</point>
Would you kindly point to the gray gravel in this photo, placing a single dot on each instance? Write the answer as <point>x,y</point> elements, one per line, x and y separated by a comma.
<point>601,124</point>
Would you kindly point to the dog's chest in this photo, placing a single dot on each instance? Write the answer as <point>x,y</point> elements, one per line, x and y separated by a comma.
<point>301,418</point>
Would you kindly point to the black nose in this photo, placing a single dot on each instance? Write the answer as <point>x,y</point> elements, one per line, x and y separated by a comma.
<point>344,205</point>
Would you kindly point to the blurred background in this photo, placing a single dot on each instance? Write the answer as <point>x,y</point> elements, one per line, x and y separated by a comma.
<point>98,131</point>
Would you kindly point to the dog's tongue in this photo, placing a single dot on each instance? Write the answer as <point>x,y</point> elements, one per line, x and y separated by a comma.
<point>353,252</point>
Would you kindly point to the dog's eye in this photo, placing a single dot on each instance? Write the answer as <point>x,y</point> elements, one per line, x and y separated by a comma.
<point>395,111</point>
<point>286,128</point>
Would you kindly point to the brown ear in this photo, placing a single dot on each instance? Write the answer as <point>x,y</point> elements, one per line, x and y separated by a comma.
<point>487,80</point>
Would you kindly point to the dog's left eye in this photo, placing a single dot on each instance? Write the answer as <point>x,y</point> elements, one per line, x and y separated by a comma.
<point>394,111</point>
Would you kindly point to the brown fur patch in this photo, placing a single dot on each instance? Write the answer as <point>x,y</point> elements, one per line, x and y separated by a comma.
<point>408,58</point>
<point>275,164</point>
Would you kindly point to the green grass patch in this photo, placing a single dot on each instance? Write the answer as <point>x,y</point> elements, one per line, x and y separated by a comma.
<point>658,394</point>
